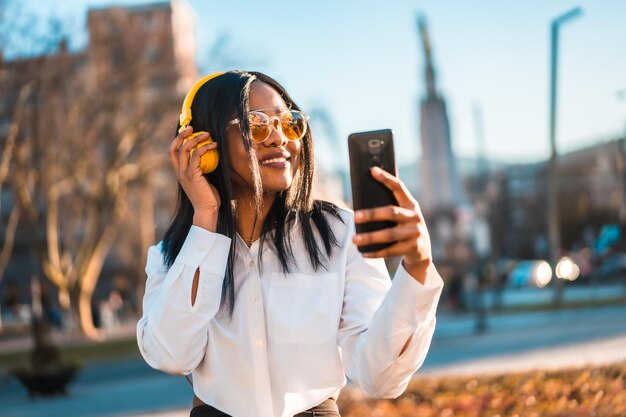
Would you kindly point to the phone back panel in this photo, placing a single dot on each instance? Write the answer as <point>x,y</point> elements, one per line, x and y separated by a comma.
<point>368,149</point>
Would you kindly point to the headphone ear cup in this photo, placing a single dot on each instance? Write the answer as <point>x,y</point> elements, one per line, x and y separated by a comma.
<point>210,159</point>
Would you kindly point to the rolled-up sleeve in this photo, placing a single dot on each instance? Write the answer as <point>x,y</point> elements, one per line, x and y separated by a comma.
<point>379,316</point>
<point>172,333</point>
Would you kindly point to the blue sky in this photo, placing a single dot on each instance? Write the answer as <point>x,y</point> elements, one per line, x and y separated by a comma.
<point>362,62</point>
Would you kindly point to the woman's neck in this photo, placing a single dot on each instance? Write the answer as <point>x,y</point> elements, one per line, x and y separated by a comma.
<point>249,220</point>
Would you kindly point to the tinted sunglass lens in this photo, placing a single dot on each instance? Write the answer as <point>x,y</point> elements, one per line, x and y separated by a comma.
<point>259,127</point>
<point>293,125</point>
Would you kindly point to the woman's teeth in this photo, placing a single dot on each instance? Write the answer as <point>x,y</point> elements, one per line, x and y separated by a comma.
<point>273,160</point>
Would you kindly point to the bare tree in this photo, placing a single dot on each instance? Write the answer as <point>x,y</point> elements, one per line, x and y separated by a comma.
<point>72,179</point>
<point>8,236</point>
<point>82,148</point>
<point>17,34</point>
<point>89,153</point>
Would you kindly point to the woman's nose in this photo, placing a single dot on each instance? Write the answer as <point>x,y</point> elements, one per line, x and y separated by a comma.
<point>276,135</point>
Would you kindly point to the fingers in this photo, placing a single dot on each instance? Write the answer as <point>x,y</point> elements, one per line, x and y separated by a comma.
<point>392,213</point>
<point>185,149</point>
<point>398,188</point>
<point>179,151</point>
<point>194,162</point>
<point>392,234</point>
<point>409,238</point>
<point>175,146</point>
<point>204,149</point>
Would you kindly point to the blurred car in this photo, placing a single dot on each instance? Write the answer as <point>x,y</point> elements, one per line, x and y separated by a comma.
<point>609,235</point>
<point>567,269</point>
<point>532,273</point>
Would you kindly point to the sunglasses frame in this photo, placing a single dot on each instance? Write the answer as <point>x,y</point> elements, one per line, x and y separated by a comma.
<point>273,125</point>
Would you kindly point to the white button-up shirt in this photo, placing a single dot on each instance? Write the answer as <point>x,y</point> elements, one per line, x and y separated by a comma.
<point>292,339</point>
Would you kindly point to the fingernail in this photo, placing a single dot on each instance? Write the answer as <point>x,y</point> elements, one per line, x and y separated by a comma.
<point>358,215</point>
<point>357,238</point>
<point>376,170</point>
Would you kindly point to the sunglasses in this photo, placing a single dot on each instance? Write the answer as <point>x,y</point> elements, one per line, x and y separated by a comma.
<point>291,123</point>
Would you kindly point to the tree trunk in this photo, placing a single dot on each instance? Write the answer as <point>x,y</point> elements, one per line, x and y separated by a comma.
<point>147,236</point>
<point>64,299</point>
<point>9,238</point>
<point>85,316</point>
<point>89,279</point>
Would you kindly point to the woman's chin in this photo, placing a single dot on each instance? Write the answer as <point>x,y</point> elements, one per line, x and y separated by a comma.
<point>276,182</point>
<point>276,188</point>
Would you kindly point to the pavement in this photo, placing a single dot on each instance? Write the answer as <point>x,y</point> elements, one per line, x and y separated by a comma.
<point>598,352</point>
<point>510,342</point>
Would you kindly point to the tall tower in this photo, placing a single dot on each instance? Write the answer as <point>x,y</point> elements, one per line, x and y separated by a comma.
<point>440,183</point>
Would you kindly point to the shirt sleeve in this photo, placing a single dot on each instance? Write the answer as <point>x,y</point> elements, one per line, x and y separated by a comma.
<point>172,334</point>
<point>377,320</point>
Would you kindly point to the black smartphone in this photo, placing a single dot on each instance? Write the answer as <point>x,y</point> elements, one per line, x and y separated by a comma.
<point>368,149</point>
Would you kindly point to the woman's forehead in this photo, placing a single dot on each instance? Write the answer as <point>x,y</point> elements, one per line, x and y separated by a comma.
<point>264,96</point>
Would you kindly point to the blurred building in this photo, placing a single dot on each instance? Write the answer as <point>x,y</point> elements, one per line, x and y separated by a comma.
<point>142,54</point>
<point>154,47</point>
<point>591,186</point>
<point>441,196</point>
<point>160,35</point>
<point>591,189</point>
<point>440,183</point>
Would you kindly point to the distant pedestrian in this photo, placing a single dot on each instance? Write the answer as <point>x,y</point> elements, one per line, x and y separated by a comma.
<point>112,310</point>
<point>51,312</point>
<point>259,291</point>
<point>12,304</point>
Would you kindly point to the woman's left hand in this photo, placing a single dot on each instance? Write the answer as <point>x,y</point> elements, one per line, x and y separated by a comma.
<point>410,234</point>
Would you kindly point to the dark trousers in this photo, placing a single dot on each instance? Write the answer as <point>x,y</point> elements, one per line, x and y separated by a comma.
<point>326,409</point>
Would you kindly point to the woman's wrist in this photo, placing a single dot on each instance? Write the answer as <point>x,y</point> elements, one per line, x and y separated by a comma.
<point>206,220</point>
<point>417,270</point>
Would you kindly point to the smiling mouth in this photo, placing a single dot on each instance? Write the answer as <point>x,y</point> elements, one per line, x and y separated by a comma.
<point>278,160</point>
<point>274,161</point>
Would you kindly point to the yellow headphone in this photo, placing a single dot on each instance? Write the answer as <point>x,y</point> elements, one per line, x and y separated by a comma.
<point>209,160</point>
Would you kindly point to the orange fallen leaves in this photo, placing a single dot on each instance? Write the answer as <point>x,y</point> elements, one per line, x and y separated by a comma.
<point>588,392</point>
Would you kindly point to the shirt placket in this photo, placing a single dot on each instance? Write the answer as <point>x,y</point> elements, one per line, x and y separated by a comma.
<point>256,318</point>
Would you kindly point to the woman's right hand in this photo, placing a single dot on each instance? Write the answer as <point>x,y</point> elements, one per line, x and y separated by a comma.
<point>203,195</point>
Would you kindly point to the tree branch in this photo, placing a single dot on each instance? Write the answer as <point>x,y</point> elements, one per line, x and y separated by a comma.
<point>9,239</point>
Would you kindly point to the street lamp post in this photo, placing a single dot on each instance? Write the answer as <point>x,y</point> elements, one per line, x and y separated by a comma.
<point>621,145</point>
<point>553,202</point>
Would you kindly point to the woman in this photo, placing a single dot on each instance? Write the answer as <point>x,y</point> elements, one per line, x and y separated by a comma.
<point>258,291</point>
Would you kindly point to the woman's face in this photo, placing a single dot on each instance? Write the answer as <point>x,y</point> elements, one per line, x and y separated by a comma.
<point>278,157</point>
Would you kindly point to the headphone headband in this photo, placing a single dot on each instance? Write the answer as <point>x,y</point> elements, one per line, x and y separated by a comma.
<point>185,112</point>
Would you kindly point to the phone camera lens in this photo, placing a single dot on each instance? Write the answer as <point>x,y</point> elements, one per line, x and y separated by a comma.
<point>374,143</point>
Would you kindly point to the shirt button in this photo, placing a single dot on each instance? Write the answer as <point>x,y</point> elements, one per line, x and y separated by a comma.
<point>256,301</point>
<point>259,343</point>
<point>251,264</point>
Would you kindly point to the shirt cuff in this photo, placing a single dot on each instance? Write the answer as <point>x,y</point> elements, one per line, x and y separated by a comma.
<point>199,244</point>
<point>413,299</point>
